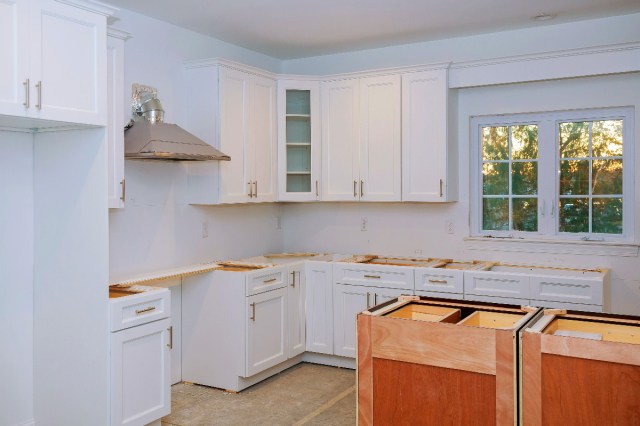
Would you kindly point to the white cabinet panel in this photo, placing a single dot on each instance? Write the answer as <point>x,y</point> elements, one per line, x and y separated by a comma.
<point>380,175</point>
<point>496,284</point>
<point>340,140</point>
<point>265,280</point>
<point>571,290</point>
<point>266,330</point>
<point>14,53</point>
<point>140,374</point>
<point>565,305</point>
<point>440,280</point>
<point>348,302</point>
<point>428,167</point>
<point>115,119</point>
<point>374,275</point>
<point>296,310</point>
<point>381,295</point>
<point>263,155</point>
<point>319,307</point>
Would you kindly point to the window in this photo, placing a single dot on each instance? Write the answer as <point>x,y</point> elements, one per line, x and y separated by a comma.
<point>558,175</point>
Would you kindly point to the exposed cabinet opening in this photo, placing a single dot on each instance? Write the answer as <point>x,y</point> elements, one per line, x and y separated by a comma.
<point>594,330</point>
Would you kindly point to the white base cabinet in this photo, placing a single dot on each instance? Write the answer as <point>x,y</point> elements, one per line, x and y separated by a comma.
<point>319,307</point>
<point>296,296</point>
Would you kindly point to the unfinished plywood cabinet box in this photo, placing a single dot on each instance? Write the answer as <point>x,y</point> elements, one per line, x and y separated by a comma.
<point>581,369</point>
<point>433,361</point>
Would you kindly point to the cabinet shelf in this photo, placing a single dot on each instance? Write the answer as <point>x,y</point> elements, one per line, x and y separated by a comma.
<point>298,115</point>
<point>298,173</point>
<point>298,143</point>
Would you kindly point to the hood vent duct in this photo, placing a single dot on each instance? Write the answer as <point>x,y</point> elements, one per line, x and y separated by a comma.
<point>148,137</point>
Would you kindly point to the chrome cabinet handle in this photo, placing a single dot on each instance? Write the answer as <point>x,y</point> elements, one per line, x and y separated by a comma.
<point>255,192</point>
<point>355,189</point>
<point>170,344</point>
<point>145,310</point>
<point>375,299</point>
<point>124,189</point>
<point>253,308</point>
<point>368,296</point>
<point>250,194</point>
<point>438,281</point>
<point>270,280</point>
<point>372,276</point>
<point>440,187</point>
<point>39,87</point>
<point>294,279</point>
<point>361,188</point>
<point>26,93</point>
<point>317,193</point>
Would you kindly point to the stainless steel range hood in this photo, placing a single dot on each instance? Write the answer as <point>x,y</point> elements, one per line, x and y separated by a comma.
<point>147,137</point>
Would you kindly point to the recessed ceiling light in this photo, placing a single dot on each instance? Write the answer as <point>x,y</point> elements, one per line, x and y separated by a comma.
<point>543,17</point>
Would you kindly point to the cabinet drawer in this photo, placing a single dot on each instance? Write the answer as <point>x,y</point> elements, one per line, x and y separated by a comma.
<point>562,289</point>
<point>440,280</point>
<point>496,284</point>
<point>140,308</point>
<point>374,276</point>
<point>265,281</point>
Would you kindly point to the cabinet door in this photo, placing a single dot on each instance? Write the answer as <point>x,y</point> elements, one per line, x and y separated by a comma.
<point>380,175</point>
<point>319,307</point>
<point>340,141</point>
<point>115,121</point>
<point>424,137</point>
<point>298,140</point>
<point>236,179</point>
<point>348,302</point>
<point>381,295</point>
<point>266,330</point>
<point>140,374</point>
<point>14,50</point>
<point>68,63</point>
<point>263,152</point>
<point>296,311</point>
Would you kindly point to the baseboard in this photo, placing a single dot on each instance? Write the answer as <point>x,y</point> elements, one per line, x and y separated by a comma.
<point>31,422</point>
<point>331,360</point>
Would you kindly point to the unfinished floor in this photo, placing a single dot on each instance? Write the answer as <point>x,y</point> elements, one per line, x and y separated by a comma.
<point>307,394</point>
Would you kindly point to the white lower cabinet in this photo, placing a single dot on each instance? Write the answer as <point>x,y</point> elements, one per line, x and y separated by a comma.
<point>349,301</point>
<point>141,373</point>
<point>266,330</point>
<point>319,307</point>
<point>296,310</point>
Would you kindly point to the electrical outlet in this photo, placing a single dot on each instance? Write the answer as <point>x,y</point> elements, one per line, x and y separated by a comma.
<point>278,222</point>
<point>205,230</point>
<point>449,226</point>
<point>364,224</point>
<point>417,251</point>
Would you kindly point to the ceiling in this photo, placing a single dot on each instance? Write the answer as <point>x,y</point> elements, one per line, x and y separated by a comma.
<point>289,29</point>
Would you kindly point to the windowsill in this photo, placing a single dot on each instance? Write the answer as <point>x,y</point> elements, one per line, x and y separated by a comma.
<point>597,248</point>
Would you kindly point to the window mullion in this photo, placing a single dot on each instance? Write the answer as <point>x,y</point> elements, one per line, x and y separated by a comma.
<point>547,177</point>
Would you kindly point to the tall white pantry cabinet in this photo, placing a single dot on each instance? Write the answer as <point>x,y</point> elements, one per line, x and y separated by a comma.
<point>233,108</point>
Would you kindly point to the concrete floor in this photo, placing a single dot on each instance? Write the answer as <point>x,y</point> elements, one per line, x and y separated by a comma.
<point>306,394</point>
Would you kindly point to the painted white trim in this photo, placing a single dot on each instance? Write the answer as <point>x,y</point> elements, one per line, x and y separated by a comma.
<point>597,248</point>
<point>609,59</point>
<point>212,62</point>
<point>118,33</point>
<point>31,422</point>
<point>384,71</point>
<point>92,6</point>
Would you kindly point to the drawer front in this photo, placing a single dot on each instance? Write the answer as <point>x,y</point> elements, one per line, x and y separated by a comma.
<point>130,311</point>
<point>378,276</point>
<point>561,289</point>
<point>271,279</point>
<point>454,296</point>
<point>440,280</point>
<point>496,284</point>
<point>565,305</point>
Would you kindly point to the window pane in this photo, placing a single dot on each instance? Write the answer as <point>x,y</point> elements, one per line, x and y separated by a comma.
<point>574,215</point>
<point>607,138</point>
<point>607,215</point>
<point>495,178</point>
<point>495,143</point>
<point>524,142</point>
<point>495,214</point>
<point>525,214</point>
<point>574,177</point>
<point>607,177</point>
<point>574,140</point>
<point>524,179</point>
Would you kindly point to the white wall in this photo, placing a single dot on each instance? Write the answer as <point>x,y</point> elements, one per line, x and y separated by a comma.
<point>157,229</point>
<point>419,229</point>
<point>597,32</point>
<point>16,278</point>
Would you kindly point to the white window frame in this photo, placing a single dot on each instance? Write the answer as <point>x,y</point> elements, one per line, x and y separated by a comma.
<point>548,176</point>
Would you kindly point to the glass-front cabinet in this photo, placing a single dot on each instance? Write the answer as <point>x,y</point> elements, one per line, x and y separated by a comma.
<point>298,140</point>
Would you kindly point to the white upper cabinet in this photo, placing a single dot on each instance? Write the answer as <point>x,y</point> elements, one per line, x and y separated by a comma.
<point>380,176</point>
<point>298,140</point>
<point>54,61</point>
<point>235,111</point>
<point>361,139</point>
<point>428,160</point>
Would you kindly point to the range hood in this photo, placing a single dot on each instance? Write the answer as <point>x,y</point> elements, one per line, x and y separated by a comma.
<point>148,137</point>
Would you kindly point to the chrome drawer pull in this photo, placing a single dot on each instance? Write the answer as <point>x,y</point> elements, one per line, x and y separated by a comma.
<point>253,309</point>
<point>293,274</point>
<point>142,311</point>
<point>372,276</point>
<point>375,299</point>
<point>270,281</point>
<point>26,93</point>
<point>438,281</point>
<point>368,295</point>
<point>170,344</point>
